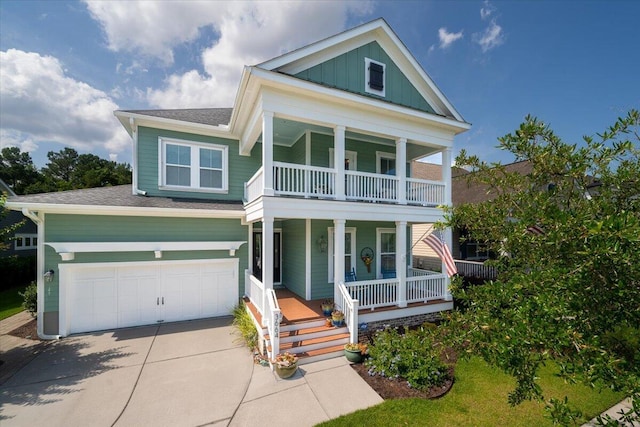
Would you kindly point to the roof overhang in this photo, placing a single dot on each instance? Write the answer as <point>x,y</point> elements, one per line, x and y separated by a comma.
<point>130,120</point>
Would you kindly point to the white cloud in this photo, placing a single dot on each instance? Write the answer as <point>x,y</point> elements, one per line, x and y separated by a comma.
<point>40,103</point>
<point>490,38</point>
<point>247,33</point>
<point>487,10</point>
<point>446,38</point>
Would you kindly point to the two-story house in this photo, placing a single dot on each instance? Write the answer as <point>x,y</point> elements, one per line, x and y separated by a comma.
<point>303,186</point>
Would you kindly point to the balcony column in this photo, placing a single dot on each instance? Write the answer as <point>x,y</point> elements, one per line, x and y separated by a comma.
<point>401,170</point>
<point>338,161</point>
<point>338,256</point>
<point>267,153</point>
<point>401,261</point>
<point>446,175</point>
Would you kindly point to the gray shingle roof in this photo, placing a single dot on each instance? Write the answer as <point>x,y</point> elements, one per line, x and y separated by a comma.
<point>121,196</point>
<point>205,116</point>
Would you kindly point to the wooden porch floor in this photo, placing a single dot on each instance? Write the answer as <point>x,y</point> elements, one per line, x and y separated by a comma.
<point>295,309</point>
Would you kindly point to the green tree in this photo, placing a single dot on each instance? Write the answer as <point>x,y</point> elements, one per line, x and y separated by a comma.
<point>17,169</point>
<point>570,293</point>
<point>6,232</point>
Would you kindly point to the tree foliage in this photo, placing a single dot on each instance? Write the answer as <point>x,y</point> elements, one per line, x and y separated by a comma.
<point>570,293</point>
<point>65,170</point>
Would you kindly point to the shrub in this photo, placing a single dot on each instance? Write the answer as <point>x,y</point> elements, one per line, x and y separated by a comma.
<point>413,356</point>
<point>30,296</point>
<point>244,323</point>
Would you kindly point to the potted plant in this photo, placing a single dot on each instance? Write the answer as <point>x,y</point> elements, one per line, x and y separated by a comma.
<point>355,352</point>
<point>285,364</point>
<point>337,317</point>
<point>327,307</point>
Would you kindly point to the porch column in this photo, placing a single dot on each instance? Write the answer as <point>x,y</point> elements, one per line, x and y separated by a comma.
<point>446,175</point>
<point>401,170</point>
<point>267,252</point>
<point>338,161</point>
<point>338,256</point>
<point>401,261</point>
<point>267,153</point>
<point>448,239</point>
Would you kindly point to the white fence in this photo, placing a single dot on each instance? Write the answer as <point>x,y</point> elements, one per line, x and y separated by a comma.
<point>349,307</point>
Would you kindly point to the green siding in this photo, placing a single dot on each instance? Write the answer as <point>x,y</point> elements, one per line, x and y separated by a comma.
<point>98,228</point>
<point>241,168</point>
<point>293,252</point>
<point>347,72</point>
<point>321,143</point>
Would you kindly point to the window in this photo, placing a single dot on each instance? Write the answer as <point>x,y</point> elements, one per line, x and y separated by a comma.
<point>386,252</point>
<point>374,76</point>
<point>26,241</point>
<point>196,166</point>
<point>349,250</point>
<point>386,163</point>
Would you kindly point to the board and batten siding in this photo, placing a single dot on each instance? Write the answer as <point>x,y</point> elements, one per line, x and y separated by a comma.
<point>99,228</point>
<point>347,72</point>
<point>241,168</point>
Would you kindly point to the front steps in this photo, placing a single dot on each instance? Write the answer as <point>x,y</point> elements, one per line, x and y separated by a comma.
<point>310,340</point>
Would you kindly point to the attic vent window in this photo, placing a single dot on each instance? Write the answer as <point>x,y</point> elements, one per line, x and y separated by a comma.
<point>374,77</point>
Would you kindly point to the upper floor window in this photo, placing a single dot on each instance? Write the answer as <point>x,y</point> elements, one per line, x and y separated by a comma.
<point>374,76</point>
<point>194,166</point>
<point>26,241</point>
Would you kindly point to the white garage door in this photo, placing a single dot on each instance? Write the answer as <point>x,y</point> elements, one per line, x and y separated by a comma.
<point>116,295</point>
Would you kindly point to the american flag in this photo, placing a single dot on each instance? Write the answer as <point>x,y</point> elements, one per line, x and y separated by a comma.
<point>436,242</point>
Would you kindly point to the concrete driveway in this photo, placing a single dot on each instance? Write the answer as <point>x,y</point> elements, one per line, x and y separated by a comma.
<point>177,374</point>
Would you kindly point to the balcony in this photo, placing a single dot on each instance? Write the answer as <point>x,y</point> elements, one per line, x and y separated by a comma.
<point>295,180</point>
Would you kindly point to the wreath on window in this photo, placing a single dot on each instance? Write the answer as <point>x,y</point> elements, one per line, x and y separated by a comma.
<point>366,255</point>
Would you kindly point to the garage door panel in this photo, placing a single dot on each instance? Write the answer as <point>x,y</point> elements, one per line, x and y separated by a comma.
<point>109,297</point>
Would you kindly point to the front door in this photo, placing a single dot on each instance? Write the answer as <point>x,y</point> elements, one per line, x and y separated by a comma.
<point>277,255</point>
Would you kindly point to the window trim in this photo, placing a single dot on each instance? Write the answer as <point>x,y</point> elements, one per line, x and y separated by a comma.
<point>348,155</point>
<point>384,155</point>
<point>22,237</point>
<point>194,167</point>
<point>379,232</point>
<point>367,87</point>
<point>330,246</point>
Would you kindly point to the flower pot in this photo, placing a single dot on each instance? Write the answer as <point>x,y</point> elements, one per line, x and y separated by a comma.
<point>285,371</point>
<point>338,322</point>
<point>326,310</point>
<point>353,356</point>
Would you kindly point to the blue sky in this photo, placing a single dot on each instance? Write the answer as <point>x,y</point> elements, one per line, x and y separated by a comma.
<point>66,66</point>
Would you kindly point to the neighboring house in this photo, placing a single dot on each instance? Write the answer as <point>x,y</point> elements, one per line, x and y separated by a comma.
<point>22,241</point>
<point>293,187</point>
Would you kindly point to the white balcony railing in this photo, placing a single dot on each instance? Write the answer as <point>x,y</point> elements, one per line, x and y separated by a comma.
<point>374,294</point>
<point>474,269</point>
<point>349,307</point>
<point>291,179</point>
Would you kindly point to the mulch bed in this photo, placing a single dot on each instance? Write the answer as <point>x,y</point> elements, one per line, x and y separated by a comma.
<point>391,388</point>
<point>28,331</point>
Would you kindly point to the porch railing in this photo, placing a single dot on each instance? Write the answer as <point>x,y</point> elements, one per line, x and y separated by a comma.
<point>349,307</point>
<point>423,192</point>
<point>272,318</point>
<point>371,187</point>
<point>255,291</point>
<point>290,179</point>
<point>253,188</point>
<point>476,269</point>
<point>421,286</point>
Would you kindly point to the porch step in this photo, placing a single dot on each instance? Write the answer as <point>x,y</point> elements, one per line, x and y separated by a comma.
<point>311,340</point>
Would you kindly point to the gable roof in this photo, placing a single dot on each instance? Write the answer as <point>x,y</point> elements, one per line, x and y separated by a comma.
<point>378,30</point>
<point>463,192</point>
<point>204,116</point>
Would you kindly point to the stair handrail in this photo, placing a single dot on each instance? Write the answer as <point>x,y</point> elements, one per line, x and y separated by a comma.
<point>350,309</point>
<point>273,317</point>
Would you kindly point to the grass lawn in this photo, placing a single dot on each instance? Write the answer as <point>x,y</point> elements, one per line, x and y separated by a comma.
<point>11,302</point>
<point>479,398</point>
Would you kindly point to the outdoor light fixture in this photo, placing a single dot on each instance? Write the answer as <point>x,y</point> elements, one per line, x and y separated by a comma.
<point>322,244</point>
<point>48,276</point>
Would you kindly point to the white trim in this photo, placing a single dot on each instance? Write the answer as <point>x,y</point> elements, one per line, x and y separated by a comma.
<point>379,231</point>
<point>125,210</point>
<point>67,249</point>
<point>352,156</point>
<point>367,75</point>
<point>194,166</point>
<point>330,246</point>
<point>66,270</point>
